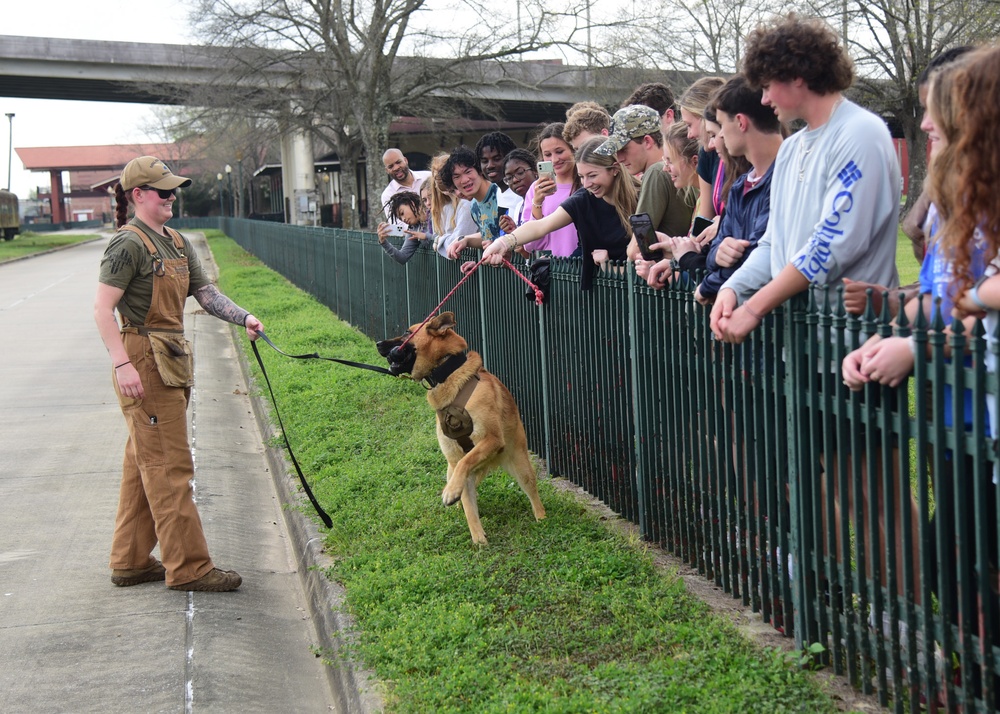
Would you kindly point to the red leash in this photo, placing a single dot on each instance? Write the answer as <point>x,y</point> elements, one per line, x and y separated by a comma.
<point>539,297</point>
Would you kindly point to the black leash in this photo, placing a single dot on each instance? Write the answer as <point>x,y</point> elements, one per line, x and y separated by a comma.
<point>302,479</point>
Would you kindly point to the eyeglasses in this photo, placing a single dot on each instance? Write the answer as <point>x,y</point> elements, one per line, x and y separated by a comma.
<point>516,176</point>
<point>163,193</point>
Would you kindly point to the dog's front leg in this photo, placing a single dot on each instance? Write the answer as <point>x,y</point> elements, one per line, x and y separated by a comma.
<point>480,453</point>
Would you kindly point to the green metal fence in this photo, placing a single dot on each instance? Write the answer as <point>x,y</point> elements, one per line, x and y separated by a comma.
<point>862,521</point>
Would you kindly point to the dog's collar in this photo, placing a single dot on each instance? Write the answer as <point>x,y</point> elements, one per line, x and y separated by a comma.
<point>444,370</point>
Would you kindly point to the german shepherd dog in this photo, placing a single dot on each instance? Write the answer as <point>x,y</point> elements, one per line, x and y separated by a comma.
<point>441,357</point>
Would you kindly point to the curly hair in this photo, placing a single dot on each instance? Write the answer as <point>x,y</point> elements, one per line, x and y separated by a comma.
<point>585,105</point>
<point>624,193</point>
<point>496,140</point>
<point>967,170</point>
<point>797,47</point>
<point>403,198</point>
<point>587,119</point>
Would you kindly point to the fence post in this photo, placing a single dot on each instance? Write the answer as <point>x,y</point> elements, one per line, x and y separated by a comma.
<point>546,389</point>
<point>633,347</point>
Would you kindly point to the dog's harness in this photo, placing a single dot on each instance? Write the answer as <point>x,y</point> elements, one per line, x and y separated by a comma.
<point>456,422</point>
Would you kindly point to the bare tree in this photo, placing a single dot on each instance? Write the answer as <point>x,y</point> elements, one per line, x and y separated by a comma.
<point>342,71</point>
<point>892,42</point>
<point>214,137</point>
<point>689,36</point>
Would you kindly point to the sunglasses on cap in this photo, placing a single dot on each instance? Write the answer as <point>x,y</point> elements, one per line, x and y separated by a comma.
<point>161,192</point>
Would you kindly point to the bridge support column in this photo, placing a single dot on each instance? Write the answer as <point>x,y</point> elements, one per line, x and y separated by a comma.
<point>56,194</point>
<point>298,176</point>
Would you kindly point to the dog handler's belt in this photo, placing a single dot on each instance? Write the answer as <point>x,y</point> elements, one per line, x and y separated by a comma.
<point>144,331</point>
<point>456,422</point>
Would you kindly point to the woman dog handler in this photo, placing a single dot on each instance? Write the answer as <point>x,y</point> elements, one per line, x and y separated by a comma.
<point>147,273</point>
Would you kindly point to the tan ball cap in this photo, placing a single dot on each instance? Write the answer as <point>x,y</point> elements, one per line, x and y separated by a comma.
<point>150,171</point>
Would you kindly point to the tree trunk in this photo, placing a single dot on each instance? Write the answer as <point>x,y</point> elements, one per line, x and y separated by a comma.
<point>916,147</point>
<point>376,143</point>
<point>350,195</point>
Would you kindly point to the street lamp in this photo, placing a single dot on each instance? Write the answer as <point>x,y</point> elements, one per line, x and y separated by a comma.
<point>10,145</point>
<point>229,177</point>
<point>239,165</point>
<point>222,209</point>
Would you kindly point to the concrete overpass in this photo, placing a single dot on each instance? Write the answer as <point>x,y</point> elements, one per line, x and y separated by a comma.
<point>144,73</point>
<point>141,73</point>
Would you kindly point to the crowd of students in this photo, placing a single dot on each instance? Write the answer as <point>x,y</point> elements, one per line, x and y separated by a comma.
<point>776,210</point>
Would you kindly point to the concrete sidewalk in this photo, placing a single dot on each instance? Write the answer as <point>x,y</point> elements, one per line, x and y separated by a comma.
<point>69,639</point>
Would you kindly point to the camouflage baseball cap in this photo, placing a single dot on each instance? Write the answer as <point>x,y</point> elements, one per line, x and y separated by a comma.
<point>631,122</point>
<point>150,171</point>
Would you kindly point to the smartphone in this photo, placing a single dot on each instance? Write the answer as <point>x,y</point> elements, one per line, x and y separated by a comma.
<point>396,230</point>
<point>645,236</point>
<point>545,167</point>
<point>700,224</point>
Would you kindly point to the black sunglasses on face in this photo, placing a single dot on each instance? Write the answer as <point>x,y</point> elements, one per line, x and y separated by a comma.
<point>161,192</point>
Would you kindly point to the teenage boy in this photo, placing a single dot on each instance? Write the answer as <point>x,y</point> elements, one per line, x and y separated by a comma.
<point>462,174</point>
<point>492,150</point>
<point>834,213</point>
<point>585,120</point>
<point>751,130</point>
<point>835,187</point>
<point>636,142</point>
<point>656,95</point>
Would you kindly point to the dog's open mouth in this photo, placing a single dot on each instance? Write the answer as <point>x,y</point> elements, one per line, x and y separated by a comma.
<point>401,357</point>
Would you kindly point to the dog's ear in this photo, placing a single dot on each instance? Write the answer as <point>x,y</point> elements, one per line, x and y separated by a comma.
<point>442,323</point>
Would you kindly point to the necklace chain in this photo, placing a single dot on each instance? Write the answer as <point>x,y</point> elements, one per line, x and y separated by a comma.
<point>805,152</point>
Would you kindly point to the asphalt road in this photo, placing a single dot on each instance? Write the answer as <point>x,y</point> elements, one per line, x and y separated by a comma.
<point>69,640</point>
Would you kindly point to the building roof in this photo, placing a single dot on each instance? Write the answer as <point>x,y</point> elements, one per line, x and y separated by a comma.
<point>111,157</point>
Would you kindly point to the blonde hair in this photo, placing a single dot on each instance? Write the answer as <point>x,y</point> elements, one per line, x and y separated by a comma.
<point>440,196</point>
<point>624,193</point>
<point>697,96</point>
<point>677,138</point>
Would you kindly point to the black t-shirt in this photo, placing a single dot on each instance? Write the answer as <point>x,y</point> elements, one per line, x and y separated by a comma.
<point>598,227</point>
<point>708,165</point>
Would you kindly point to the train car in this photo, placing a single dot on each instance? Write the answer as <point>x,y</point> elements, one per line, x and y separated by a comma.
<point>10,215</point>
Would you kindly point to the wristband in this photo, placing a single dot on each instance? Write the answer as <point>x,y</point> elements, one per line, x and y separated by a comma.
<point>753,313</point>
<point>123,364</point>
<point>512,243</point>
<point>973,294</point>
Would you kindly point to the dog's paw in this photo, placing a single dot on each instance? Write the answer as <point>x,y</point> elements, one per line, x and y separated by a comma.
<point>451,495</point>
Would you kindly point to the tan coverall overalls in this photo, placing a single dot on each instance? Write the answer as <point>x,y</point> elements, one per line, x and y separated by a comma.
<point>156,502</point>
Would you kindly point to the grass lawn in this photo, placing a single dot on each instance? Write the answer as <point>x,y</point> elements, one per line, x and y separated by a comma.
<point>563,615</point>
<point>28,243</point>
<point>906,263</point>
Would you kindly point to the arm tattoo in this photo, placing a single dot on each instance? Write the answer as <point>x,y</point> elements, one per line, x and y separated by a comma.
<point>218,305</point>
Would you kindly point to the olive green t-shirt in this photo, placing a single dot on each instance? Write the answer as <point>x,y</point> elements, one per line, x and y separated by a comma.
<point>662,201</point>
<point>128,265</point>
